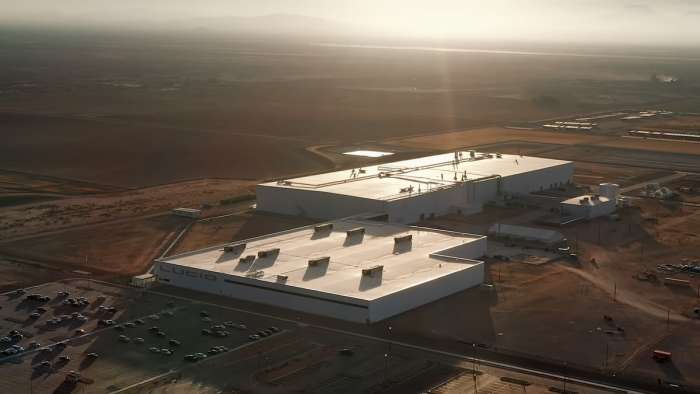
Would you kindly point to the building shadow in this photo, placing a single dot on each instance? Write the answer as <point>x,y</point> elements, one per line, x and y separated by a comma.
<point>264,262</point>
<point>354,240</point>
<point>322,234</point>
<point>402,247</point>
<point>368,282</point>
<point>315,272</point>
<point>243,267</point>
<point>228,256</point>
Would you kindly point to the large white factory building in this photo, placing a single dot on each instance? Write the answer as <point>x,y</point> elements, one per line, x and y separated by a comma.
<point>406,191</point>
<point>356,270</point>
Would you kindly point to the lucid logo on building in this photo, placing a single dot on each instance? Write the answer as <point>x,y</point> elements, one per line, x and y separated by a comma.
<point>188,273</point>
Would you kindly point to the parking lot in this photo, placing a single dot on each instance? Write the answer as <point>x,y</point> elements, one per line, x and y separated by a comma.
<point>116,337</point>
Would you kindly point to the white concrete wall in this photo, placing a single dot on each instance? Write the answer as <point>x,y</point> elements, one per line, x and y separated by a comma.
<point>590,211</point>
<point>440,202</point>
<point>538,180</point>
<point>425,293</point>
<point>602,209</point>
<point>473,249</point>
<point>312,203</point>
<point>264,292</point>
<point>358,311</point>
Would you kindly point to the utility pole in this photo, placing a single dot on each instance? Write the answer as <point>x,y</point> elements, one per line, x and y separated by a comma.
<point>565,373</point>
<point>387,355</point>
<point>614,291</point>
<point>476,383</point>
<point>607,353</point>
<point>386,367</point>
<point>668,318</point>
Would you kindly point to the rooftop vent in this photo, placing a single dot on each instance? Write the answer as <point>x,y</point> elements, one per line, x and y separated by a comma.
<point>282,278</point>
<point>234,248</point>
<point>247,259</point>
<point>359,231</point>
<point>323,227</point>
<point>498,155</point>
<point>372,271</point>
<point>403,239</point>
<point>255,274</point>
<point>269,252</point>
<point>319,261</point>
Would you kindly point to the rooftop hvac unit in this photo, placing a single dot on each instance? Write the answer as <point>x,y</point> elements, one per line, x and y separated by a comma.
<point>255,274</point>
<point>282,278</point>
<point>323,227</point>
<point>234,248</point>
<point>247,259</point>
<point>403,239</point>
<point>498,155</point>
<point>269,252</point>
<point>319,261</point>
<point>372,271</point>
<point>359,231</point>
<point>472,154</point>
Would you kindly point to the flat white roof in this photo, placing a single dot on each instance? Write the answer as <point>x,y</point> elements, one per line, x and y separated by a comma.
<point>368,153</point>
<point>431,254</point>
<point>386,181</point>
<point>586,200</point>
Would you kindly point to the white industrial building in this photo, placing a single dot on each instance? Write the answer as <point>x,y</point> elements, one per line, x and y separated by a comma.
<point>406,191</point>
<point>355,270</point>
<point>589,206</point>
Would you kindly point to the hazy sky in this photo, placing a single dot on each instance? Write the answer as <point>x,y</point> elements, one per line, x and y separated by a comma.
<point>656,21</point>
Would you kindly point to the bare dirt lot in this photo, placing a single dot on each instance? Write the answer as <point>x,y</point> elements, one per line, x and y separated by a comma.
<point>235,227</point>
<point>145,109</point>
<point>495,135</point>
<point>126,248</point>
<point>28,219</point>
<point>113,153</point>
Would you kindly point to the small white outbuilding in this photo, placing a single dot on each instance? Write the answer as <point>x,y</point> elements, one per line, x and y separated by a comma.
<point>588,206</point>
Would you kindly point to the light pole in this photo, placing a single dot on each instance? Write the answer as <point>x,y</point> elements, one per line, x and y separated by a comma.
<point>476,388</point>
<point>389,329</point>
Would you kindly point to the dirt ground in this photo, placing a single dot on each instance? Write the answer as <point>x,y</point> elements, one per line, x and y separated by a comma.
<point>688,188</point>
<point>593,174</point>
<point>126,248</point>
<point>28,219</point>
<point>494,135</point>
<point>684,123</point>
<point>234,228</point>
<point>15,275</point>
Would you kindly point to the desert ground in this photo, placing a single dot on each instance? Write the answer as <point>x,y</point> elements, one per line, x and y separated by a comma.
<point>103,137</point>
